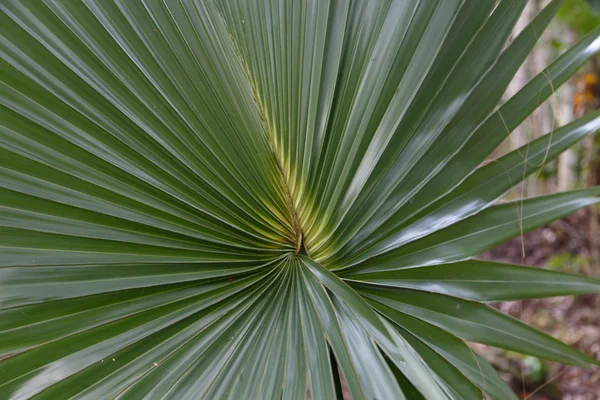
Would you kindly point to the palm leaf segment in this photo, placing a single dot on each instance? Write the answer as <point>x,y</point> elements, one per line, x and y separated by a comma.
<point>250,199</point>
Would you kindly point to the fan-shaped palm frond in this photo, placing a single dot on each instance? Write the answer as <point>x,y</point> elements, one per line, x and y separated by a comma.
<point>252,199</point>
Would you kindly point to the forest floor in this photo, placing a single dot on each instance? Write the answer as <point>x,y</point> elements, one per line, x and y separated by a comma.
<point>563,245</point>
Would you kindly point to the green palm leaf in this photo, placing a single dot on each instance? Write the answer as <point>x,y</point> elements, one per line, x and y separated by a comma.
<point>252,199</point>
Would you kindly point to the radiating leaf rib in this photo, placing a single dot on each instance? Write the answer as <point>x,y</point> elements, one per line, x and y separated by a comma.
<point>403,356</point>
<point>57,360</point>
<point>289,70</point>
<point>480,232</point>
<point>367,35</point>
<point>239,376</point>
<point>371,367</point>
<point>102,62</point>
<point>476,322</point>
<point>421,137</point>
<point>412,44</point>
<point>500,123</point>
<point>27,326</point>
<point>28,247</point>
<point>203,348</point>
<point>271,376</point>
<point>25,285</point>
<point>61,220</point>
<point>489,182</point>
<point>137,200</point>
<point>295,377</point>
<point>452,349</point>
<point>458,385</point>
<point>319,370</point>
<point>259,199</point>
<point>148,353</point>
<point>30,181</point>
<point>484,281</point>
<point>145,17</point>
<point>400,208</point>
<point>332,330</point>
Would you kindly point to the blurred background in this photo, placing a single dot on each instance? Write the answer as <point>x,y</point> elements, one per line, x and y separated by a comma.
<point>568,245</point>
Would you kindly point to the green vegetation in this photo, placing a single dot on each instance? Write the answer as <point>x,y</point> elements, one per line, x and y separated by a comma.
<point>264,199</point>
